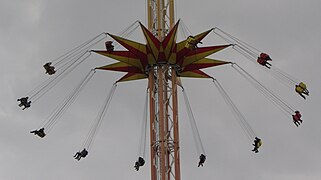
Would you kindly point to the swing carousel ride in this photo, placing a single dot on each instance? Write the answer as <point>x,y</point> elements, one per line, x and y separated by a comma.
<point>163,62</point>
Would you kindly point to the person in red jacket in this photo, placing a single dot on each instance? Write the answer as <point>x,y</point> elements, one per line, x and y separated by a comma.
<point>263,60</point>
<point>297,118</point>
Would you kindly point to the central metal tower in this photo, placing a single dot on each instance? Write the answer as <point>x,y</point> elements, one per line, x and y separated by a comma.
<point>164,130</point>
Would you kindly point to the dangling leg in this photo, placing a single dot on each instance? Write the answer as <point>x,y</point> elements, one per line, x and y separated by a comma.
<point>136,166</point>
<point>302,95</point>
<point>306,92</point>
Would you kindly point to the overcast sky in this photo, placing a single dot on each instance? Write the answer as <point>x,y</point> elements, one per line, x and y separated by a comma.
<point>35,31</point>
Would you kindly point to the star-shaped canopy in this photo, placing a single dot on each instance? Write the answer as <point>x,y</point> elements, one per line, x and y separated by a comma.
<point>184,55</point>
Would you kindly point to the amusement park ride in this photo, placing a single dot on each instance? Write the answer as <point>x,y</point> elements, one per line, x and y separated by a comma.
<point>162,61</point>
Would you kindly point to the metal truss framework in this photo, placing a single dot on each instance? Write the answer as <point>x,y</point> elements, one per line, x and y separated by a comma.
<point>164,135</point>
<point>160,17</point>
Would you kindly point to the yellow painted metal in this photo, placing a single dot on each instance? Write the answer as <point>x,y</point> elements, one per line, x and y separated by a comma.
<point>150,15</point>
<point>159,19</point>
<point>171,13</point>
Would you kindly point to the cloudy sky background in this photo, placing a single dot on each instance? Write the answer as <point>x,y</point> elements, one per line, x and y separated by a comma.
<point>33,32</point>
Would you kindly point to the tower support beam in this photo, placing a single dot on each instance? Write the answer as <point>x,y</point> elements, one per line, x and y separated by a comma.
<point>160,17</point>
<point>164,135</point>
<point>176,126</point>
<point>152,129</point>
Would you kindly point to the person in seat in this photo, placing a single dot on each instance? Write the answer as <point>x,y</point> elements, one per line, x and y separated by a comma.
<point>139,163</point>
<point>202,160</point>
<point>41,132</point>
<point>301,89</point>
<point>263,60</point>
<point>265,57</point>
<point>84,153</point>
<point>297,118</point>
<point>304,86</point>
<point>81,154</point>
<point>257,144</point>
<point>49,69</point>
<point>191,42</point>
<point>109,46</point>
<point>24,102</point>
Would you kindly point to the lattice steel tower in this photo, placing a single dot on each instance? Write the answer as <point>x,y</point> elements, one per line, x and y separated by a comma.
<point>164,130</point>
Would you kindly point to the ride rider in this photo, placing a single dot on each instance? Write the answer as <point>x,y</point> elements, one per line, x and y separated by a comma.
<point>41,132</point>
<point>257,144</point>
<point>263,60</point>
<point>49,69</point>
<point>81,154</point>
<point>297,118</point>
<point>202,160</point>
<point>109,45</point>
<point>139,163</point>
<point>24,102</point>
<point>301,89</point>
